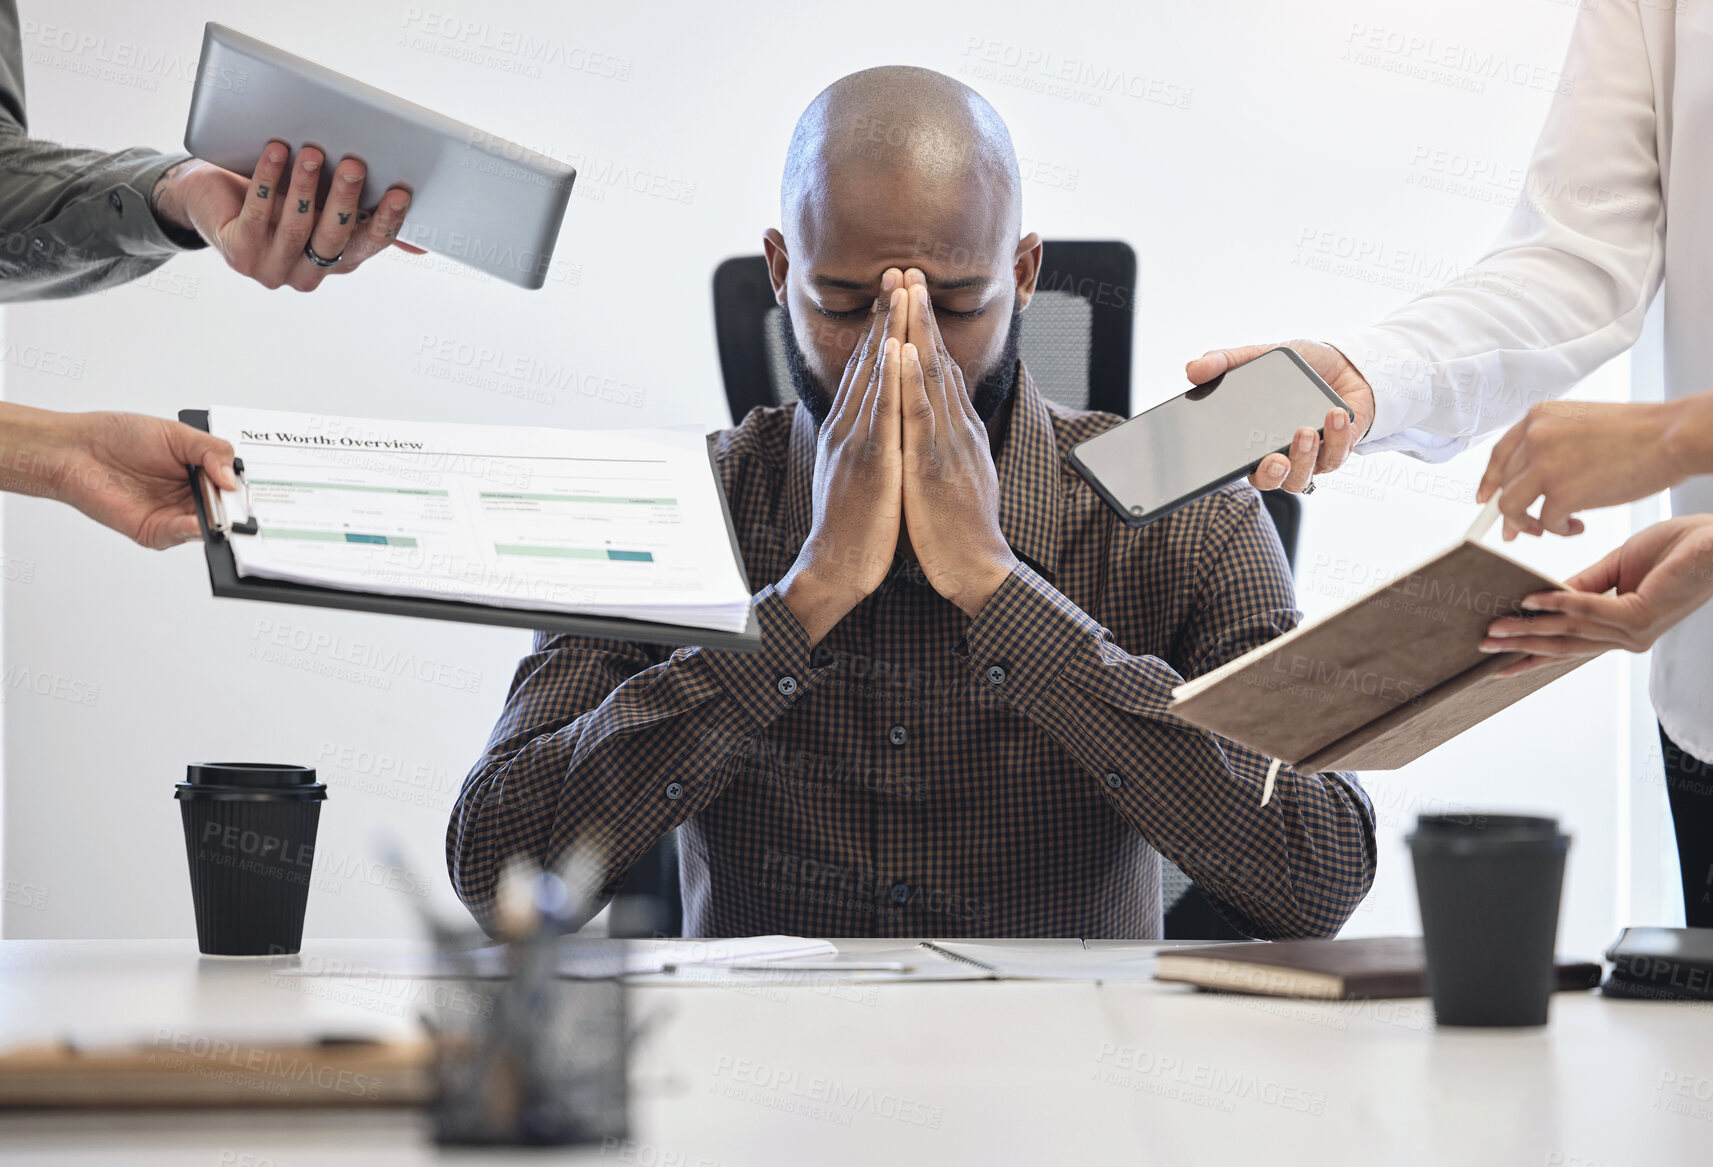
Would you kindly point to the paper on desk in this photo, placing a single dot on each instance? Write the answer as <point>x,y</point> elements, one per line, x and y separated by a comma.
<point>647,956</point>
<point>593,956</point>
<point>1050,960</point>
<point>617,523</point>
<point>971,960</point>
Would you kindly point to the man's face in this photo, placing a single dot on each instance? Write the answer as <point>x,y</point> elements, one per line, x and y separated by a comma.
<point>858,226</point>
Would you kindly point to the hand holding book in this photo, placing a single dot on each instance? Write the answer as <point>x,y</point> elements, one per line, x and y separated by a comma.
<point>1660,574</point>
<point>1384,679</point>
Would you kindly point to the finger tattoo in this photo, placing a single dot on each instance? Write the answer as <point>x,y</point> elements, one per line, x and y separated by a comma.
<point>344,217</point>
<point>262,191</point>
<point>303,206</point>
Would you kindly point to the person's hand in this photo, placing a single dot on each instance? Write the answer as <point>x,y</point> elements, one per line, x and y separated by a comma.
<point>124,470</point>
<point>1661,575</point>
<point>1309,454</point>
<point>858,491</point>
<point>1575,455</point>
<point>951,489</point>
<point>261,228</point>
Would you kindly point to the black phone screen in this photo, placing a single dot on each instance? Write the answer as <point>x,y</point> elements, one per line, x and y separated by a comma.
<point>1216,433</point>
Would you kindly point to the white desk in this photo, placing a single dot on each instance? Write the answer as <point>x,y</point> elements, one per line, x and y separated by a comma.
<point>1012,1073</point>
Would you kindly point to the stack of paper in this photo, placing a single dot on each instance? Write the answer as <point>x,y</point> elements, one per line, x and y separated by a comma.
<point>619,523</point>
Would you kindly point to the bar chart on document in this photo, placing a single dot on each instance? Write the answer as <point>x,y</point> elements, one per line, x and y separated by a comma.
<point>625,523</point>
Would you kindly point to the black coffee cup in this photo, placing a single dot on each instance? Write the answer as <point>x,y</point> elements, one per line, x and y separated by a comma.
<point>249,828</point>
<point>1489,886</point>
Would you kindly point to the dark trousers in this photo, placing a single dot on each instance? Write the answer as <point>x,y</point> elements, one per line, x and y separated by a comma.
<point>1689,786</point>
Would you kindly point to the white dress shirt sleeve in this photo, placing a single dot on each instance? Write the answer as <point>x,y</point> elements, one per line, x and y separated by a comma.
<point>1567,284</point>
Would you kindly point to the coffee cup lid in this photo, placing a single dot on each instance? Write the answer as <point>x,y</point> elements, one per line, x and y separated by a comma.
<point>1481,827</point>
<point>257,775</point>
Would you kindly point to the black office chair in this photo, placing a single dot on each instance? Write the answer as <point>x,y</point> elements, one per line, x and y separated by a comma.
<point>1076,341</point>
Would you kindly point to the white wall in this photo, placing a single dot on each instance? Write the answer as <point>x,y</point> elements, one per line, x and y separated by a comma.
<point>1245,146</point>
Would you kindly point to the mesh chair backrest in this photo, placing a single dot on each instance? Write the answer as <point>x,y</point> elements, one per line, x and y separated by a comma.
<point>1056,333</point>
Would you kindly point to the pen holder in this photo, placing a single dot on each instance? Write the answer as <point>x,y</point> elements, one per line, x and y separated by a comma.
<point>532,1058</point>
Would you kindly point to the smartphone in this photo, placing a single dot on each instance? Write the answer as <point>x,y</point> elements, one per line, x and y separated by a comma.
<point>1216,433</point>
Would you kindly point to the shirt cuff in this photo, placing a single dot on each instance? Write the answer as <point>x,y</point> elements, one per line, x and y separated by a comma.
<point>1022,640</point>
<point>1402,381</point>
<point>765,684</point>
<point>130,221</point>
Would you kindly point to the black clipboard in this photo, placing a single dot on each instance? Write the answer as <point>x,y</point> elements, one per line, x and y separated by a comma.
<point>223,577</point>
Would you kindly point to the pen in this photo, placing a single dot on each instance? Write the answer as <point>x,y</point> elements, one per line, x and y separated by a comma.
<point>896,966</point>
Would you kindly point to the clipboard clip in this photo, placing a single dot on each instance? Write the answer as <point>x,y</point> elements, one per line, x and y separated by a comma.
<point>218,519</point>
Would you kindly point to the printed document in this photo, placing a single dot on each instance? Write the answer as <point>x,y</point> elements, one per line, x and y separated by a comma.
<point>620,523</point>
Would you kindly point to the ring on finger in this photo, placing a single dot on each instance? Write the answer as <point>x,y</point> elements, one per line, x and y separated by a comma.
<point>309,250</point>
<point>1309,488</point>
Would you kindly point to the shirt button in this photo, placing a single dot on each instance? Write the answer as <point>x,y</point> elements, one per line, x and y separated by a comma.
<point>995,675</point>
<point>900,892</point>
<point>674,790</point>
<point>1114,780</point>
<point>898,735</point>
<point>788,685</point>
<point>114,201</point>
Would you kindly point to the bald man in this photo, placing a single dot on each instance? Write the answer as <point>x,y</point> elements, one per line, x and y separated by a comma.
<point>956,724</point>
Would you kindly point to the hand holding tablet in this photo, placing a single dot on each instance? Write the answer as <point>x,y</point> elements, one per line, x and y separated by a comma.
<point>473,196</point>
<point>276,227</point>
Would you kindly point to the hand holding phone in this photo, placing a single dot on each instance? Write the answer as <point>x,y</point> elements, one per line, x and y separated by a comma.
<point>1197,442</point>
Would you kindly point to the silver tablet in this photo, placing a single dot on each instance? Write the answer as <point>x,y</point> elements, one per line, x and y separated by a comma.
<point>475,198</point>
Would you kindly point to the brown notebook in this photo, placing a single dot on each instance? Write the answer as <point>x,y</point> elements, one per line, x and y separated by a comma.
<point>1384,679</point>
<point>1325,970</point>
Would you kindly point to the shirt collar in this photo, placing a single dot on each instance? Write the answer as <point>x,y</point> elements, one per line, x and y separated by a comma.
<point>1028,468</point>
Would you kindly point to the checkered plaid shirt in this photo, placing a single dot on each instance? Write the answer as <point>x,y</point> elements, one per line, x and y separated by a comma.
<point>922,774</point>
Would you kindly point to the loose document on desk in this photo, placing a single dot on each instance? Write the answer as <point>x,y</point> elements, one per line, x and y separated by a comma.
<point>623,523</point>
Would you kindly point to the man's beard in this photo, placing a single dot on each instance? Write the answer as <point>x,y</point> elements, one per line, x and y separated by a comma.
<point>988,395</point>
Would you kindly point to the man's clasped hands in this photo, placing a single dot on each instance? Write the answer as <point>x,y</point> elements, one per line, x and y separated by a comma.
<point>903,463</point>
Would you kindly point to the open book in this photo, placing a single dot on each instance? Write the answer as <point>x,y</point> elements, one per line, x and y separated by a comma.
<point>1385,678</point>
<point>622,524</point>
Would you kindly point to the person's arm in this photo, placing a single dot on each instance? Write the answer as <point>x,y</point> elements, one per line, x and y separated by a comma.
<point>605,748</point>
<point>1579,455</point>
<point>1628,600</point>
<point>124,470</point>
<point>1568,282</point>
<point>1563,289</point>
<point>74,221</point>
<point>1295,867</point>
<point>71,221</point>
